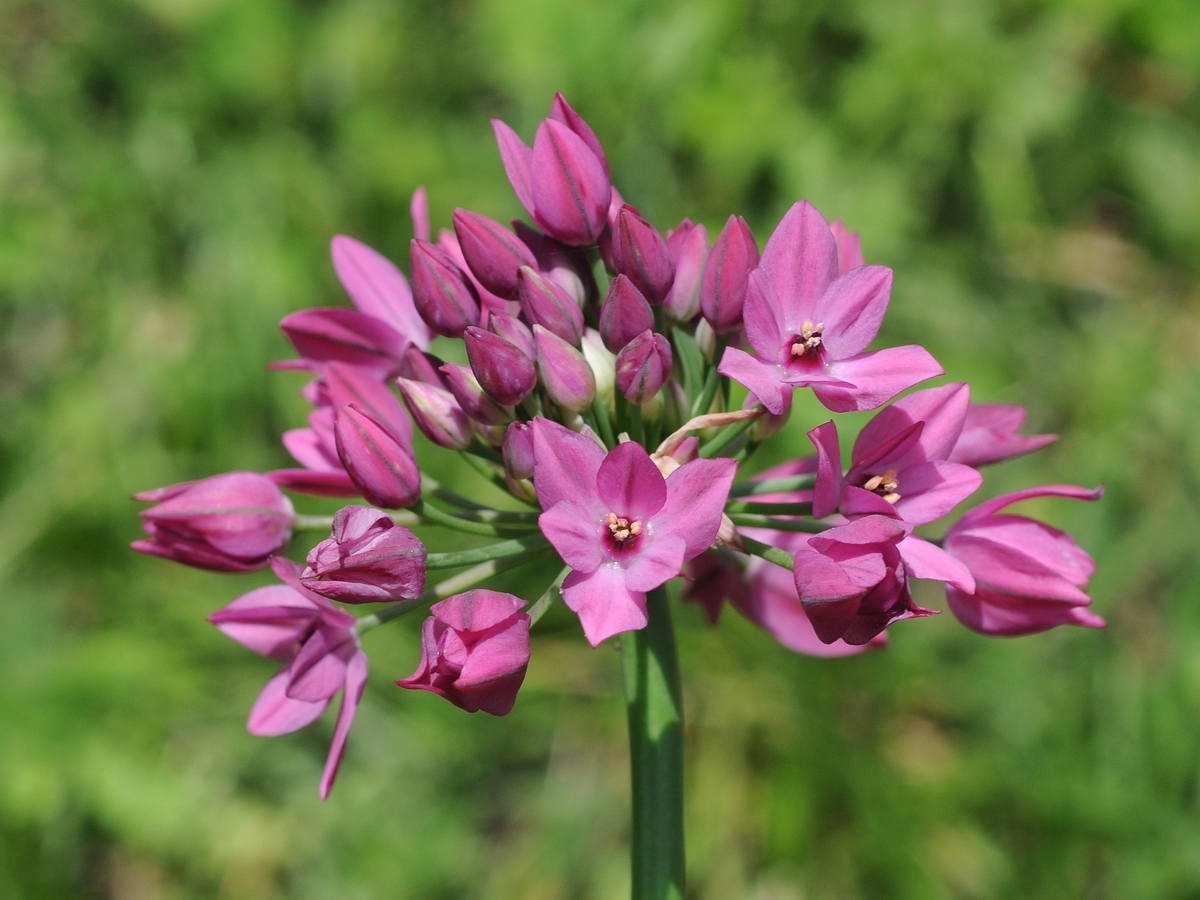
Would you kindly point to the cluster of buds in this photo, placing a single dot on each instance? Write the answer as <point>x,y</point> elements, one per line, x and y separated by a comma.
<point>615,382</point>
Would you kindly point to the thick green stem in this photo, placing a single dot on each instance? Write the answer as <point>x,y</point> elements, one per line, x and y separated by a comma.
<point>773,486</point>
<point>655,710</point>
<point>808,526</point>
<point>482,554</point>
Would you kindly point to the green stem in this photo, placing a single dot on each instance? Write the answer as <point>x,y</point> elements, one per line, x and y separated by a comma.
<point>725,437</point>
<point>654,707</point>
<point>703,403</point>
<point>543,603</point>
<point>312,523</point>
<point>430,513</point>
<point>491,475</point>
<point>773,486</point>
<point>481,554</point>
<point>604,422</point>
<point>770,509</point>
<point>769,553</point>
<point>808,526</point>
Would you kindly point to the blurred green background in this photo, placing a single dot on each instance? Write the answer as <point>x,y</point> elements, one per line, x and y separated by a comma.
<point>171,172</point>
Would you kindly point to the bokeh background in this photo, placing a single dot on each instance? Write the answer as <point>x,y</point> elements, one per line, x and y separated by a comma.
<point>171,172</point>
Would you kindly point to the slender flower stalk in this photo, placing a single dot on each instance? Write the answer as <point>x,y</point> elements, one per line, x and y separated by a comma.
<point>613,387</point>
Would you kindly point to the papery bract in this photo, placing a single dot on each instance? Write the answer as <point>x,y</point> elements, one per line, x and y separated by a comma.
<point>474,651</point>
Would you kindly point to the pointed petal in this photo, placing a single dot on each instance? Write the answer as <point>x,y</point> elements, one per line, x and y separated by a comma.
<point>1014,572</point>
<point>353,385</point>
<point>657,562</point>
<point>877,376</point>
<point>604,604</point>
<point>1000,615</point>
<point>378,288</point>
<point>274,713</point>
<point>853,309</point>
<point>990,507</point>
<point>575,534</point>
<point>696,495</point>
<point>517,157</point>
<point>930,490</point>
<point>830,598</point>
<point>356,680</point>
<point>925,560</point>
<point>942,410</point>
<point>761,379</point>
<point>763,318</point>
<point>629,484</point>
<point>829,470</point>
<point>570,189</point>
<point>316,673</point>
<point>565,466</point>
<point>800,260</point>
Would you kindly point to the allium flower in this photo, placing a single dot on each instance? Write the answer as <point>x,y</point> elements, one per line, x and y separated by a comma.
<point>320,647</point>
<point>230,523</point>
<point>810,326</point>
<point>474,651</point>
<point>1030,577</point>
<point>621,526</point>
<point>367,558</point>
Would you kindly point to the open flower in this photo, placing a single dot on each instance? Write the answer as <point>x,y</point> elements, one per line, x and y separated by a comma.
<point>622,526</point>
<point>809,326</point>
<point>319,645</point>
<point>1029,576</point>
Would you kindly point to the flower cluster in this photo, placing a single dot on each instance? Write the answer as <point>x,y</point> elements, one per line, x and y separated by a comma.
<point>611,381</point>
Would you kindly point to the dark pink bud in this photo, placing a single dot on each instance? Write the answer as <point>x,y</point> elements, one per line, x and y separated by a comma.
<point>569,186</point>
<point>547,304</point>
<point>518,450</point>
<point>514,331</point>
<point>377,287</point>
<point>503,370</point>
<point>723,288</point>
<point>643,366</point>
<point>345,335</point>
<point>474,402</point>
<point>379,465</point>
<point>640,253</point>
<point>568,266</point>
<point>444,296</point>
<point>561,111</point>
<point>625,314</point>
<point>417,365</point>
<point>492,251</point>
<point>367,558</point>
<point>228,523</point>
<point>689,248</point>
<point>565,373</point>
<point>437,414</point>
<point>474,651</point>
<point>350,385</point>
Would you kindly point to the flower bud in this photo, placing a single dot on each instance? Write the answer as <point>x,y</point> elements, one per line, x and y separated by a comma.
<point>437,414</point>
<point>603,365</point>
<point>503,370</point>
<point>345,335</point>
<point>565,373</point>
<point>515,332</point>
<point>561,111</point>
<point>378,288</point>
<point>418,365</point>
<point>643,366</point>
<point>640,253</point>
<point>350,385</point>
<point>723,288</point>
<point>380,467</point>
<point>689,248</point>
<point>568,266</point>
<point>474,651</point>
<point>624,315</point>
<point>445,298</point>
<point>478,406</point>
<point>518,451</point>
<point>492,251</point>
<point>227,523</point>
<point>706,339</point>
<point>849,248</point>
<point>568,184</point>
<point>547,304</point>
<point>367,558</point>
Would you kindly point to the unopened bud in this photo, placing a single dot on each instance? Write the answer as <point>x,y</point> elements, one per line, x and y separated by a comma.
<point>547,304</point>
<point>518,450</point>
<point>643,366</point>
<point>503,370</point>
<point>380,467</point>
<point>444,296</point>
<point>624,315</point>
<point>478,406</point>
<point>565,372</point>
<point>437,414</point>
<point>640,253</point>
<point>723,288</point>
<point>492,251</point>
<point>689,248</point>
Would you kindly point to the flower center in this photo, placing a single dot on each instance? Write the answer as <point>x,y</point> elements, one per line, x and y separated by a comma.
<point>623,531</point>
<point>885,485</point>
<point>809,338</point>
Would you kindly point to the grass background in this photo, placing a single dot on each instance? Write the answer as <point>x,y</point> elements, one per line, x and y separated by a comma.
<point>170,174</point>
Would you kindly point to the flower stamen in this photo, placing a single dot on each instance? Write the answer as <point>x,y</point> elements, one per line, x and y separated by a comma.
<point>885,485</point>
<point>809,338</point>
<point>623,529</point>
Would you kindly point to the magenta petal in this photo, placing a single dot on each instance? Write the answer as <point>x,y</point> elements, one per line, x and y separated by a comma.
<point>849,244</point>
<point>378,288</point>
<point>574,533</point>
<point>761,379</point>
<point>941,412</point>
<point>561,111</point>
<point>604,604</point>
<point>569,186</point>
<point>629,484</point>
<point>270,620</point>
<point>658,561</point>
<point>925,560</point>
<point>308,449</point>
<point>384,470</point>
<point>830,598</point>
<point>275,713</point>
<point>989,435</point>
<point>800,260</point>
<point>477,610</point>
<point>356,680</point>
<point>351,385</point>
<point>764,320</point>
<point>345,335</point>
<point>829,470</point>
<point>854,502</point>
<point>317,672</point>
<point>1000,615</point>
<point>1013,570</point>
<point>418,211</point>
<point>1048,546</point>
<point>565,465</point>
<point>696,495</point>
<point>518,163</point>
<point>853,309</point>
<point>877,376</point>
<point>930,490</point>
<point>990,507</point>
<point>318,484</point>
<point>869,530</point>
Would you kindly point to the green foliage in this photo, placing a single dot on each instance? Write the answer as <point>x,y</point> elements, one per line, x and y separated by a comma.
<point>170,174</point>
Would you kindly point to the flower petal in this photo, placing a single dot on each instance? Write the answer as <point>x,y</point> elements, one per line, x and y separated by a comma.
<point>761,379</point>
<point>378,288</point>
<point>657,562</point>
<point>941,412</point>
<point>877,376</point>
<point>604,604</point>
<point>801,261</point>
<point>275,713</point>
<point>629,484</point>
<point>575,534</point>
<point>356,680</point>
<point>565,465</point>
<point>696,495</point>
<point>829,470</point>
<point>517,157</point>
<point>1000,615</point>
<point>925,560</point>
<point>930,490</point>
<point>853,309</point>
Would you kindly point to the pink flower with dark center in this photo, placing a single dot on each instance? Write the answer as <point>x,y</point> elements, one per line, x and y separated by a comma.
<point>810,327</point>
<point>319,645</point>
<point>1030,577</point>
<point>229,523</point>
<point>622,526</point>
<point>474,651</point>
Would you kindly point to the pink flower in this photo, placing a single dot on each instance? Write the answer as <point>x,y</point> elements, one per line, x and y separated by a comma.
<point>989,435</point>
<point>809,326</point>
<point>619,524</point>
<point>1030,577</point>
<point>320,649</point>
<point>230,523</point>
<point>474,651</point>
<point>378,288</point>
<point>367,558</point>
<point>852,580</point>
<point>899,462</point>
